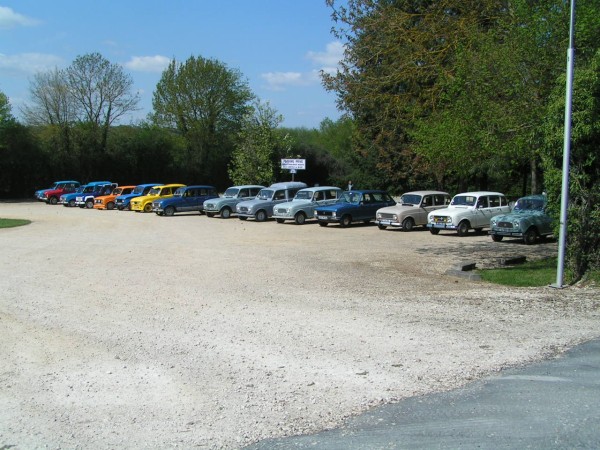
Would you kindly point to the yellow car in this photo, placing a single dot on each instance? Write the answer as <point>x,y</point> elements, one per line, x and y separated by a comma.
<point>144,203</point>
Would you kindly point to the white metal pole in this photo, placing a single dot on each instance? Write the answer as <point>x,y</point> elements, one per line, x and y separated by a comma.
<point>564,200</point>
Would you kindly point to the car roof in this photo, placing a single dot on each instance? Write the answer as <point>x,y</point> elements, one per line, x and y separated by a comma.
<point>425,193</point>
<point>368,191</point>
<point>288,185</point>
<point>480,193</point>
<point>201,186</point>
<point>150,184</point>
<point>320,188</point>
<point>170,185</point>
<point>245,186</point>
<point>66,181</point>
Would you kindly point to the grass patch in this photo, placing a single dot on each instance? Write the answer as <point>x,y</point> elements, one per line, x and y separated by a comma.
<point>529,274</point>
<point>9,223</point>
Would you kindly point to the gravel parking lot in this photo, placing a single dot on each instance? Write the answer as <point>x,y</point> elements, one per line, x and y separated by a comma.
<point>128,330</point>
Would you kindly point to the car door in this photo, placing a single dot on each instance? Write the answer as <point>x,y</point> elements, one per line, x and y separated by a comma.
<point>427,205</point>
<point>370,203</point>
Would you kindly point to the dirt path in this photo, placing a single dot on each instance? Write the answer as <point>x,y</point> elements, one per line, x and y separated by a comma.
<point>126,330</point>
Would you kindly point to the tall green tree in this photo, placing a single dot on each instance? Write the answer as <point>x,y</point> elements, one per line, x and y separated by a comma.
<point>258,147</point>
<point>205,101</point>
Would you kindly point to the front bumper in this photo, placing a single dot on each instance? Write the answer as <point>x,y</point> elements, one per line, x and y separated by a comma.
<point>442,226</point>
<point>506,233</point>
<point>388,223</point>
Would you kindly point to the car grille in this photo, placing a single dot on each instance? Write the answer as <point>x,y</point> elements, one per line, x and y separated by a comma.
<point>324,213</point>
<point>243,209</point>
<point>386,216</point>
<point>209,206</point>
<point>280,211</point>
<point>440,219</point>
<point>505,224</point>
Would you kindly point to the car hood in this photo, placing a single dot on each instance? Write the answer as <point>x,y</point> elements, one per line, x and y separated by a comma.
<point>519,215</point>
<point>336,207</point>
<point>254,202</point>
<point>398,208</point>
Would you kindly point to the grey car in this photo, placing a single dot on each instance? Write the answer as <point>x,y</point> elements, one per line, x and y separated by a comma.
<point>304,203</point>
<point>225,205</point>
<point>261,207</point>
<point>527,221</point>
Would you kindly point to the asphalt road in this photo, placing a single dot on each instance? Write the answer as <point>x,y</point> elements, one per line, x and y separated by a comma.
<point>554,404</point>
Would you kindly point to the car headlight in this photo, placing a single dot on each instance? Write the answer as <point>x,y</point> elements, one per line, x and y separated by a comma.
<point>516,224</point>
<point>395,217</point>
<point>379,215</point>
<point>334,214</point>
<point>493,222</point>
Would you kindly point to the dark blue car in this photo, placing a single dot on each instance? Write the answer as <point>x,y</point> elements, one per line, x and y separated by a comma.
<point>185,199</point>
<point>354,206</point>
<point>124,201</point>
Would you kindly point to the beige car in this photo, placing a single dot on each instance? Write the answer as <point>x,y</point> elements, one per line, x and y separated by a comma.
<point>411,210</point>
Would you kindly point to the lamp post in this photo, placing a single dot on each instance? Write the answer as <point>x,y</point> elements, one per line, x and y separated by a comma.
<point>564,199</point>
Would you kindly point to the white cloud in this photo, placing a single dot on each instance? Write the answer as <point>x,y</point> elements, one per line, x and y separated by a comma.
<point>326,61</point>
<point>156,63</point>
<point>333,54</point>
<point>10,19</point>
<point>28,63</point>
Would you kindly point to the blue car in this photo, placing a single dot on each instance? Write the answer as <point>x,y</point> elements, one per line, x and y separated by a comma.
<point>124,201</point>
<point>354,206</point>
<point>83,191</point>
<point>185,199</point>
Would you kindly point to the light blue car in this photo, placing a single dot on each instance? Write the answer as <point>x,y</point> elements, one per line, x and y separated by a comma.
<point>303,205</point>
<point>225,205</point>
<point>528,221</point>
<point>261,207</point>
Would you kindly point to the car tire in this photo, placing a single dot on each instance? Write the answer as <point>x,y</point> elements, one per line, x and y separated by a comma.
<point>300,218</point>
<point>323,224</point>
<point>478,230</point>
<point>71,204</point>
<point>463,228</point>
<point>148,207</point>
<point>242,217</point>
<point>53,200</point>
<point>128,207</point>
<point>169,211</point>
<point>530,236</point>
<point>226,213</point>
<point>497,238</point>
<point>210,214</point>
<point>110,206</point>
<point>279,220</point>
<point>261,215</point>
<point>89,204</point>
<point>408,224</point>
<point>381,227</point>
<point>434,230</point>
<point>345,221</point>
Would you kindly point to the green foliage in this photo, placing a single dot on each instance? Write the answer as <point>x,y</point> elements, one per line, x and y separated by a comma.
<point>5,109</point>
<point>258,147</point>
<point>205,101</point>
<point>583,239</point>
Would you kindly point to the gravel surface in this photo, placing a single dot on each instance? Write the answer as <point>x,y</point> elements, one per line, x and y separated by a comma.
<point>128,330</point>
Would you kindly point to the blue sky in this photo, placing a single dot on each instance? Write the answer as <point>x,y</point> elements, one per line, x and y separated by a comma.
<point>278,45</point>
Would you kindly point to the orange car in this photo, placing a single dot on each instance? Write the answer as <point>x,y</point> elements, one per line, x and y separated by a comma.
<point>108,201</point>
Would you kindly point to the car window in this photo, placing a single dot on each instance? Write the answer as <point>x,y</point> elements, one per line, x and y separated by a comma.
<point>427,201</point>
<point>494,201</point>
<point>244,193</point>
<point>279,195</point>
<point>291,193</point>
<point>379,197</point>
<point>254,192</point>
<point>503,201</point>
<point>330,195</point>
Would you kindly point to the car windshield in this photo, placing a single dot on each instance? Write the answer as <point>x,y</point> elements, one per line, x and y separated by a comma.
<point>138,190</point>
<point>303,195</point>
<point>350,197</point>
<point>79,189</point>
<point>265,194</point>
<point>154,191</point>
<point>89,189</point>
<point>410,199</point>
<point>54,186</point>
<point>117,191</point>
<point>179,192</point>
<point>231,193</point>
<point>529,204</point>
<point>464,200</point>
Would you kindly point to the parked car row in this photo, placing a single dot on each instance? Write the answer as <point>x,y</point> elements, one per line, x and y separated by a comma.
<point>296,202</point>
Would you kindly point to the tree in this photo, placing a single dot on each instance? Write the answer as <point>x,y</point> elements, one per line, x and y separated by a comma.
<point>205,102</point>
<point>5,109</point>
<point>583,239</point>
<point>258,146</point>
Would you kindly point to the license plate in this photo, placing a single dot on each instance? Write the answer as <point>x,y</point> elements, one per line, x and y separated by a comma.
<point>322,217</point>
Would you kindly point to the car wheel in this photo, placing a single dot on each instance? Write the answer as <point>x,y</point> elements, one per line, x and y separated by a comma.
<point>89,204</point>
<point>381,227</point>
<point>323,224</point>
<point>110,206</point>
<point>72,203</point>
<point>169,211</point>
<point>478,230</point>
<point>226,213</point>
<point>242,217</point>
<point>148,207</point>
<point>53,200</point>
<point>408,224</point>
<point>497,238</point>
<point>128,207</point>
<point>300,218</point>
<point>280,220</point>
<point>260,216</point>
<point>434,231</point>
<point>345,221</point>
<point>210,214</point>
<point>463,228</point>
<point>530,236</point>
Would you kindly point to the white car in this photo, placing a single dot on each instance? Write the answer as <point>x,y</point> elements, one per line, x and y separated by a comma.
<point>304,203</point>
<point>468,210</point>
<point>411,210</point>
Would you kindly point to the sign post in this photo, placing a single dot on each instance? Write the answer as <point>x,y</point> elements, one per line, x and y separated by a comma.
<point>293,165</point>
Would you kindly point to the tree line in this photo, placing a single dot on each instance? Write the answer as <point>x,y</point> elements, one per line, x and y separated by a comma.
<point>451,94</point>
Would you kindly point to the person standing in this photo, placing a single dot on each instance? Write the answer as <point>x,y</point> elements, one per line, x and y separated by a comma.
<point>350,185</point>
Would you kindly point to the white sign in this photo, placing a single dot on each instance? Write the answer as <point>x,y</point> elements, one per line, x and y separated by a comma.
<point>297,164</point>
